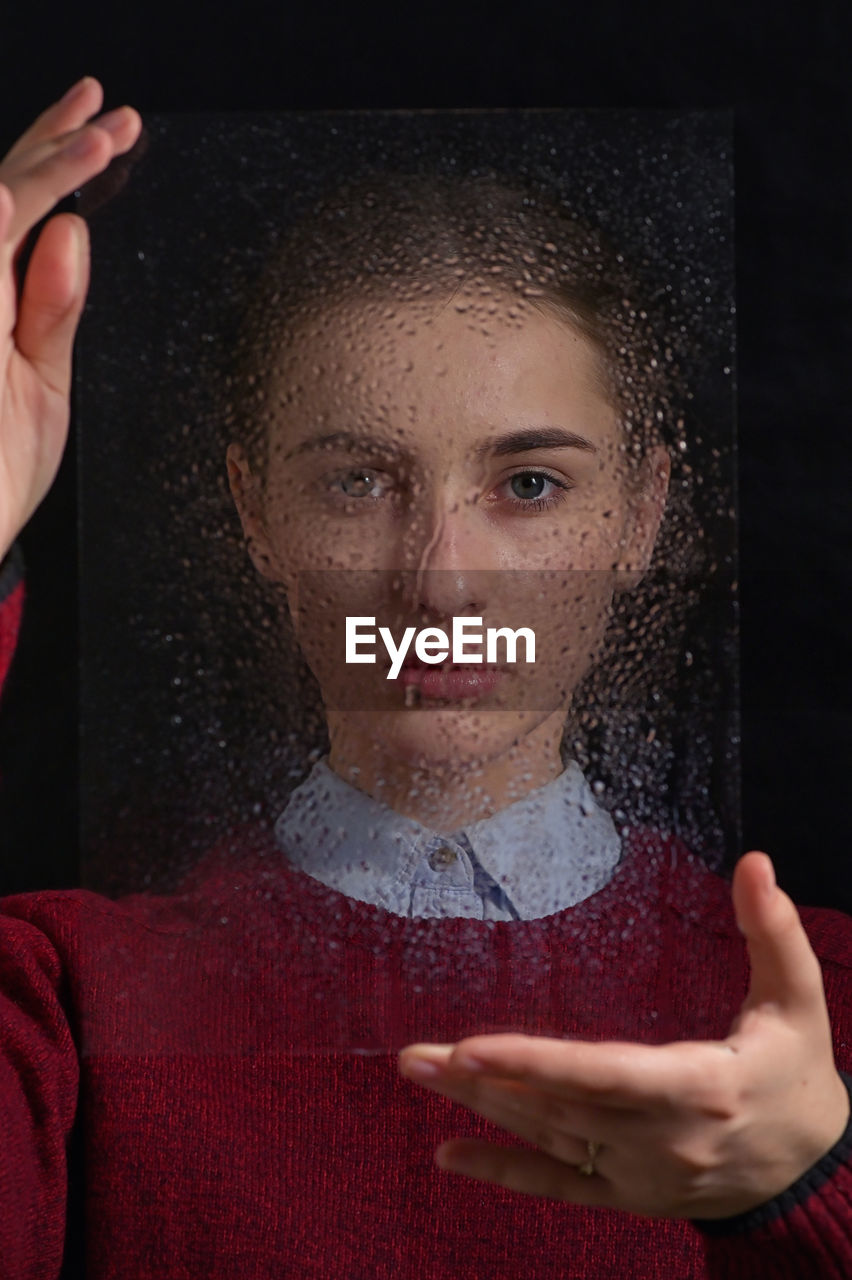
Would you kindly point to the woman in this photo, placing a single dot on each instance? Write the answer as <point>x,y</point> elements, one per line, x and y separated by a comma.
<point>222,1129</point>
<point>437,443</point>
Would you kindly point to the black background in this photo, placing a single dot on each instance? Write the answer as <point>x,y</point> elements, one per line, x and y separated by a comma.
<point>785,74</point>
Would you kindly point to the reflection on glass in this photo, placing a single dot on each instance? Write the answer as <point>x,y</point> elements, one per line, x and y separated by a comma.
<point>439,391</point>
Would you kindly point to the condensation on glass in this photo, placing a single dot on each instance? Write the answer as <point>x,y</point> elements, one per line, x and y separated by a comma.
<point>406,369</point>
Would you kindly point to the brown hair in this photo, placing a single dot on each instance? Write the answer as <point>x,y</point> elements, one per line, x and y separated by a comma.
<point>397,238</point>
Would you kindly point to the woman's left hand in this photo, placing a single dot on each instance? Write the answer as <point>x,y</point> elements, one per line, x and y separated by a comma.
<point>687,1130</point>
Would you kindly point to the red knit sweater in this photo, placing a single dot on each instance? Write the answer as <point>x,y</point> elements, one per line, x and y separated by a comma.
<point>212,1074</point>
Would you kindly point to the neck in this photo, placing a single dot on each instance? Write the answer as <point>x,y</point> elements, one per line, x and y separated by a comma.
<point>442,794</point>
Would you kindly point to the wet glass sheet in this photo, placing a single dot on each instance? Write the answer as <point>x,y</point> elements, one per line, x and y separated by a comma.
<point>407,368</point>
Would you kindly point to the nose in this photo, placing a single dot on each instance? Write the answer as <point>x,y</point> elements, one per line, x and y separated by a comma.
<point>454,562</point>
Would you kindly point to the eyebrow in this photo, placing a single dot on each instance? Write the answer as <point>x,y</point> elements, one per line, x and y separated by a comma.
<point>342,440</point>
<point>533,438</point>
<point>522,441</point>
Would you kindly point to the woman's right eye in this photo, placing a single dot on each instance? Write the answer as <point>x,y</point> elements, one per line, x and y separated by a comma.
<point>362,482</point>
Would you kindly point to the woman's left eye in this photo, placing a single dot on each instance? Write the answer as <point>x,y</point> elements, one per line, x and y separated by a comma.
<point>535,490</point>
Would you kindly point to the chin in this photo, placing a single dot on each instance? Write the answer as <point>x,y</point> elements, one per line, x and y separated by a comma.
<point>428,738</point>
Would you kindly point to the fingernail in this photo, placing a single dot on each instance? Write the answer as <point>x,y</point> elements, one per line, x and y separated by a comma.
<point>78,256</point>
<point>113,121</point>
<point>422,1068</point>
<point>75,91</point>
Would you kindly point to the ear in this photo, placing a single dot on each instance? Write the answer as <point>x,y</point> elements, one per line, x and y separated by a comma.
<point>647,505</point>
<point>247,491</point>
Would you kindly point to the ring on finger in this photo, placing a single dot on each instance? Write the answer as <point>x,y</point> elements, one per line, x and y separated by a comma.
<point>587,1168</point>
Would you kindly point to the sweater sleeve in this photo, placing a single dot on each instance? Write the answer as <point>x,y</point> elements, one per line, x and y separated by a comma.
<point>804,1232</point>
<point>11,605</point>
<point>39,1076</point>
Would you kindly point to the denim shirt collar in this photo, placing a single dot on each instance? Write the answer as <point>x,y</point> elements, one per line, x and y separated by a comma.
<point>547,851</point>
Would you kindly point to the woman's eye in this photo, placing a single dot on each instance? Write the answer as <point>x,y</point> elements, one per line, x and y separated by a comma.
<point>536,489</point>
<point>528,484</point>
<point>363,482</point>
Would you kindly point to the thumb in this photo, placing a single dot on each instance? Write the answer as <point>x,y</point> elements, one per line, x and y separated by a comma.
<point>784,969</point>
<point>53,295</point>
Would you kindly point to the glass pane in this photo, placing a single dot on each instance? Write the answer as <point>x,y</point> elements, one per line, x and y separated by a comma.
<point>393,386</point>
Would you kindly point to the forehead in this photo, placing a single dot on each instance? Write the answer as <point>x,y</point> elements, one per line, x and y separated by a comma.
<point>460,361</point>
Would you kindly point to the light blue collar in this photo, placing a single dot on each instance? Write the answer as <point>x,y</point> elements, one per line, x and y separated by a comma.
<point>546,851</point>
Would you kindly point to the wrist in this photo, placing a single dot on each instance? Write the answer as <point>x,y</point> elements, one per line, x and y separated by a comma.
<point>11,570</point>
<point>814,1178</point>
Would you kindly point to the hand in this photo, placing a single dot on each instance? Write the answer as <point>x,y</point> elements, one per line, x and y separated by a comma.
<point>56,155</point>
<point>692,1130</point>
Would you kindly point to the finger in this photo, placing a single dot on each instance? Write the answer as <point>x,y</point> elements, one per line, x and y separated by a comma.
<point>52,299</point>
<point>561,1128</point>
<point>79,139</point>
<point>419,1062</point>
<point>83,100</point>
<point>636,1084</point>
<point>7,211</point>
<point>784,970</point>
<point>511,1102</point>
<point>531,1172</point>
<point>54,170</point>
<point>569,1148</point>
<point>610,1072</point>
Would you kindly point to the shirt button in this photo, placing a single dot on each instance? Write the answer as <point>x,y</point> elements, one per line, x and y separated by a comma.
<point>442,857</point>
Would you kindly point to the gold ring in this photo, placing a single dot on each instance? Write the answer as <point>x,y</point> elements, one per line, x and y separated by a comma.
<point>587,1168</point>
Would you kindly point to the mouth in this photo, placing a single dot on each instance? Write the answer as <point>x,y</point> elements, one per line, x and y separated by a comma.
<point>447,681</point>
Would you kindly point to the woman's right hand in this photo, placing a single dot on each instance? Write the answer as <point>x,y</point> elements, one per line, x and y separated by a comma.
<point>38,316</point>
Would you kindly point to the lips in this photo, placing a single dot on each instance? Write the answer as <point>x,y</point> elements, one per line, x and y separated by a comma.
<point>450,681</point>
<point>414,664</point>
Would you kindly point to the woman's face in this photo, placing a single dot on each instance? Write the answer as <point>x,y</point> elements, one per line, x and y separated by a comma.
<point>441,460</point>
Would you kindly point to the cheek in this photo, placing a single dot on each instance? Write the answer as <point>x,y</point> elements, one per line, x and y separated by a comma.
<point>320,602</point>
<point>304,539</point>
<point>574,611</point>
<point>598,530</point>
<point>588,538</point>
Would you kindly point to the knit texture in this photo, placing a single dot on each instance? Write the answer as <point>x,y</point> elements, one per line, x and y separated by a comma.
<point>212,1073</point>
<point>11,607</point>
